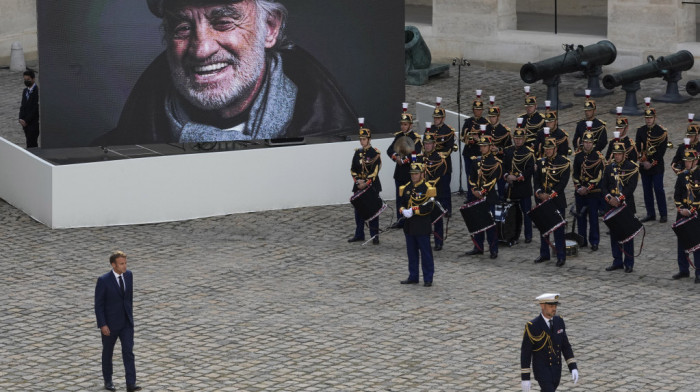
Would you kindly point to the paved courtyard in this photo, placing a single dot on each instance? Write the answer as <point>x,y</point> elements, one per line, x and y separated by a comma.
<point>279,301</point>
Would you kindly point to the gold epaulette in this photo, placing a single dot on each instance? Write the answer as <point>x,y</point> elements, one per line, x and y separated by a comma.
<point>565,133</point>
<point>498,159</point>
<point>402,188</point>
<point>603,122</point>
<point>474,157</point>
<point>357,149</point>
<point>507,129</point>
<point>431,192</point>
<point>532,150</point>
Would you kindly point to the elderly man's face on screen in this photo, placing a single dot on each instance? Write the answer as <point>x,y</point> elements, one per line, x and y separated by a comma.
<point>216,50</point>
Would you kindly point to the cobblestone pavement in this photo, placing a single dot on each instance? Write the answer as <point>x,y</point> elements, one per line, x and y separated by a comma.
<point>279,301</point>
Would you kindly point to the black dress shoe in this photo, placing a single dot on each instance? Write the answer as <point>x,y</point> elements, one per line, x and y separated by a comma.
<point>375,241</point>
<point>629,269</point>
<point>663,219</point>
<point>133,388</point>
<point>681,275</point>
<point>438,246</point>
<point>594,247</point>
<point>428,284</point>
<point>356,239</point>
<point>615,267</point>
<point>493,255</point>
<point>110,386</point>
<point>528,240</point>
<point>409,281</point>
<point>697,279</point>
<point>474,252</point>
<point>561,262</point>
<point>541,259</point>
<point>585,244</point>
<point>648,219</point>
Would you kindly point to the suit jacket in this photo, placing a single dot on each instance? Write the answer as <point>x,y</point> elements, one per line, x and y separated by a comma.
<point>29,108</point>
<point>112,308</point>
<point>544,347</point>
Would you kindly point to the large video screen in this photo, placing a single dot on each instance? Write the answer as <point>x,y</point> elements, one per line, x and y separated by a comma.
<point>120,72</point>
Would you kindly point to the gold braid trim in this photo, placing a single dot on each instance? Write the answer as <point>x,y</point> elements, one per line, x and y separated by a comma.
<point>543,338</point>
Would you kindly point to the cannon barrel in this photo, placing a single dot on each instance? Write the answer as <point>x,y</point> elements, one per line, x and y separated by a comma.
<point>601,53</point>
<point>693,87</point>
<point>680,61</point>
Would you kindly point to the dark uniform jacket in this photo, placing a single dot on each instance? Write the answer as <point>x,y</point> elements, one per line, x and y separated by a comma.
<point>520,162</point>
<point>588,172</point>
<point>651,144</point>
<point>29,109</point>
<point>620,180</point>
<point>559,135</point>
<point>600,134</point>
<point>532,123</point>
<point>677,162</point>
<point>484,173</point>
<point>444,142</point>
<point>418,196</point>
<point>543,348</point>
<point>471,131</point>
<point>686,192</point>
<point>630,147</point>
<point>435,166</point>
<point>501,137</point>
<point>553,176</point>
<point>401,174</point>
<point>365,165</point>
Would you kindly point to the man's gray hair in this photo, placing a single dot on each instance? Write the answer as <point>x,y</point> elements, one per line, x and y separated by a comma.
<point>266,9</point>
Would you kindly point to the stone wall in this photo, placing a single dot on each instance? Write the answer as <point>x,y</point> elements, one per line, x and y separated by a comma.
<point>597,8</point>
<point>18,23</point>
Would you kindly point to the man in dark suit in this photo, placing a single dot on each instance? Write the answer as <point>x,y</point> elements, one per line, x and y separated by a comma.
<point>544,342</point>
<point>114,311</point>
<point>29,110</point>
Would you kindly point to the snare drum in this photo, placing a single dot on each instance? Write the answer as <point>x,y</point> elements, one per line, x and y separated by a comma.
<point>508,222</point>
<point>623,225</point>
<point>546,217</point>
<point>687,230</point>
<point>477,216</point>
<point>368,203</point>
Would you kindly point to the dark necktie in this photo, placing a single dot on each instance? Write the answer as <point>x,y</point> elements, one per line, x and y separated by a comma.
<point>121,284</point>
<point>551,324</point>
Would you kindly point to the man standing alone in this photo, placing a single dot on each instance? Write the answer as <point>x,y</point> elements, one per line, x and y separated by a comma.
<point>114,311</point>
<point>29,110</point>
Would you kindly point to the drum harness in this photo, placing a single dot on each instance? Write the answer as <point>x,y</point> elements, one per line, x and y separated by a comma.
<point>690,200</point>
<point>488,171</point>
<point>549,171</point>
<point>649,148</point>
<point>619,180</point>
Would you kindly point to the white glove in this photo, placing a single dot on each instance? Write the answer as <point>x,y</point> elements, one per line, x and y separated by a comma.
<point>407,212</point>
<point>526,385</point>
<point>574,376</point>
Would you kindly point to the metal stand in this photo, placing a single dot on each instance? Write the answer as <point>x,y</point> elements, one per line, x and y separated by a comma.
<point>552,83</point>
<point>593,73</point>
<point>460,62</point>
<point>630,108</point>
<point>672,95</point>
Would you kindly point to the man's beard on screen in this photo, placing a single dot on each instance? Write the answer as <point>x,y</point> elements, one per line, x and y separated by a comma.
<point>245,71</point>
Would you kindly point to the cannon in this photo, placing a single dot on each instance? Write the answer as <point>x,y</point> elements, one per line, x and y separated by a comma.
<point>693,87</point>
<point>417,65</point>
<point>589,59</point>
<point>669,67</point>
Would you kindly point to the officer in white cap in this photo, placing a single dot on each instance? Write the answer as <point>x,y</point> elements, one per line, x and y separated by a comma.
<point>544,342</point>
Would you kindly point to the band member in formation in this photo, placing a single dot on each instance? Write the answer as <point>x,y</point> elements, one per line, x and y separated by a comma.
<point>501,137</point>
<point>686,195</point>
<point>589,165</point>
<point>417,208</point>
<point>651,142</point>
<point>532,119</point>
<point>618,185</point>
<point>689,142</point>
<point>550,180</point>
<point>365,173</point>
<point>551,129</point>
<point>544,342</point>
<point>435,168</point>
<point>486,169</point>
<point>471,133</point>
<point>596,127</point>
<point>620,136</point>
<point>518,168</point>
<point>444,145</point>
<point>404,140</point>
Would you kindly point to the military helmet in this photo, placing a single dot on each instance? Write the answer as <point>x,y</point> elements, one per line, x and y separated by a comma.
<point>550,116</point>
<point>693,129</point>
<point>649,112</point>
<point>690,155</point>
<point>429,137</point>
<point>519,132</point>
<point>365,132</point>
<point>619,148</point>
<point>550,142</point>
<point>588,137</point>
<point>477,105</point>
<point>494,111</point>
<point>485,140</point>
<point>438,112</point>
<point>621,122</point>
<point>406,118</point>
<point>530,100</point>
<point>416,167</point>
<point>589,105</point>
